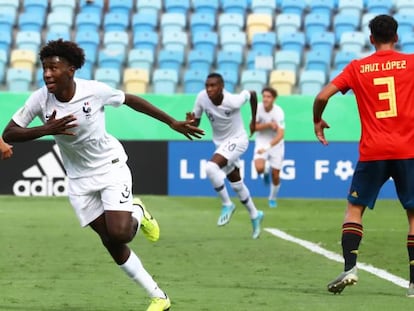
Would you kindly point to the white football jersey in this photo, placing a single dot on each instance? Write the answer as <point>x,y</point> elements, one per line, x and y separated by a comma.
<point>92,150</point>
<point>276,114</point>
<point>226,120</point>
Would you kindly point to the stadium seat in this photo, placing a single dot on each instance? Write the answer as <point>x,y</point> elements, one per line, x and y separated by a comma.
<point>206,6</point>
<point>229,60</point>
<point>287,60</point>
<point>147,40</point>
<point>353,41</point>
<point>115,21</point>
<point>322,41</point>
<point>87,21</point>
<point>6,22</point>
<point>200,60</point>
<point>324,7</point>
<point>343,23</point>
<point>23,59</point>
<point>37,8</point>
<point>319,60</point>
<point>230,22</point>
<point>123,7</point>
<point>18,79</point>
<point>259,60</point>
<point>64,7</point>
<point>153,7</point>
<point>333,73</point>
<point>293,7</point>
<point>316,23</point>
<point>405,23</point>
<point>342,58</point>
<point>235,6</point>
<point>253,80</point>
<point>206,40</point>
<point>89,41</point>
<point>233,41</point>
<point>116,41</point>
<point>39,82</point>
<point>3,64</point>
<point>59,22</point>
<point>231,80</point>
<point>144,22</point>
<point>28,22</point>
<point>177,6</point>
<point>351,7</point>
<point>311,82</point>
<point>140,58</point>
<point>407,42</point>
<point>257,23</point>
<point>264,42</point>
<point>404,7</point>
<point>170,59</point>
<point>85,72</point>
<point>365,19</point>
<point>164,81</point>
<point>110,76</point>
<point>136,80</point>
<point>287,23</point>
<point>173,22</point>
<point>28,40</point>
<point>95,6</point>
<point>283,81</point>
<point>111,59</point>
<point>202,22</point>
<point>263,7</point>
<point>175,40</point>
<point>194,80</point>
<point>294,41</point>
<point>5,40</point>
<point>379,6</point>
<point>10,8</point>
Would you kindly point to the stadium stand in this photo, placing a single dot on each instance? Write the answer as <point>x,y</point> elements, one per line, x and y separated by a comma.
<point>136,80</point>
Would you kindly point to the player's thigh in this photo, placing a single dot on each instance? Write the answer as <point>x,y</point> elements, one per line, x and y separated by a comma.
<point>87,207</point>
<point>233,149</point>
<point>276,160</point>
<point>403,175</point>
<point>367,181</point>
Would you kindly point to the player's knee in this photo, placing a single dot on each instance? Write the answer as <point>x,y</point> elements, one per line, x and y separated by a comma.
<point>237,186</point>
<point>120,234</point>
<point>212,169</point>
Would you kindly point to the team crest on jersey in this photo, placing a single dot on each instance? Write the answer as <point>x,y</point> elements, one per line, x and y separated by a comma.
<point>87,110</point>
<point>227,113</point>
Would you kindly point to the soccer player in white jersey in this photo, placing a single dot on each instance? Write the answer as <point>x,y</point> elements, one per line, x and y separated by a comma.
<point>230,138</point>
<point>269,148</point>
<point>100,182</point>
<point>5,150</point>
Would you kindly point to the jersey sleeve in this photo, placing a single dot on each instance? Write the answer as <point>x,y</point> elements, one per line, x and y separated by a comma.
<point>109,95</point>
<point>238,100</point>
<point>341,81</point>
<point>31,109</point>
<point>281,118</point>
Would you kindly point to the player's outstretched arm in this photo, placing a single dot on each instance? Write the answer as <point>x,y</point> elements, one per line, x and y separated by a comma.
<point>184,127</point>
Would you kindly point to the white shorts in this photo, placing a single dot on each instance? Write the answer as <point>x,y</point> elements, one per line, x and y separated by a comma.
<point>91,196</point>
<point>274,156</point>
<point>232,150</point>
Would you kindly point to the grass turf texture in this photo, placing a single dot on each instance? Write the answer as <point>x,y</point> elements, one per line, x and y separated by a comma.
<point>49,263</point>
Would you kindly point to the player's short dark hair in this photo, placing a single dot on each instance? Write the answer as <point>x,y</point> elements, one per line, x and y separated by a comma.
<point>68,50</point>
<point>217,76</point>
<point>270,90</point>
<point>383,28</point>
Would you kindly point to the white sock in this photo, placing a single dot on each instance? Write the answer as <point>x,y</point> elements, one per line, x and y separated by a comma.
<point>244,195</point>
<point>274,190</point>
<point>216,177</point>
<point>136,271</point>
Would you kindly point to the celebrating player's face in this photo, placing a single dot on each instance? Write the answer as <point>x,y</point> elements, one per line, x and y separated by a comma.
<point>214,88</point>
<point>267,99</point>
<point>57,73</point>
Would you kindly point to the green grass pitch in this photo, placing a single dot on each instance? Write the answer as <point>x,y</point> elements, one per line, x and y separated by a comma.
<point>49,263</point>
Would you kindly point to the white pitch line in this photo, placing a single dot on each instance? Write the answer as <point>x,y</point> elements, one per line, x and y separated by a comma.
<point>315,248</point>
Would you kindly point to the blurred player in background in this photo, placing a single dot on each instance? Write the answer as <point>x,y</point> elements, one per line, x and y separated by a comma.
<point>230,138</point>
<point>99,180</point>
<point>5,149</point>
<point>383,85</point>
<point>269,148</point>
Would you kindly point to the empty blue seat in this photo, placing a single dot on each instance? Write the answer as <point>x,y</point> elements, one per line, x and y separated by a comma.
<point>253,80</point>
<point>89,41</point>
<point>230,22</point>
<point>39,82</point>
<point>110,76</point>
<point>379,6</point>
<point>164,81</point>
<point>316,22</point>
<point>206,40</point>
<point>287,60</point>
<point>5,40</point>
<point>144,22</point>
<point>59,22</point>
<point>343,23</point>
<point>64,7</point>
<point>351,7</point>
<point>18,79</point>
<point>194,80</point>
<point>233,41</point>
<point>149,6</point>
<point>293,6</point>
<point>342,58</point>
<point>140,58</point>
<point>202,22</point>
<point>263,6</point>
<point>145,40</point>
<point>116,41</point>
<point>84,73</point>
<point>206,6</point>
<point>405,23</point>
<point>37,8</point>
<point>235,6</point>
<point>200,60</point>
<point>259,60</point>
<point>353,41</point>
<point>88,21</point>
<point>294,41</point>
<point>322,41</point>
<point>407,42</point>
<point>95,6</point>
<point>404,6</point>
<point>173,22</point>
<point>28,40</point>
<point>175,40</point>
<point>177,6</point>
<point>123,7</point>
<point>229,60</point>
<point>319,60</point>
<point>325,7</point>
<point>3,64</point>
<point>287,23</point>
<point>264,42</point>
<point>311,82</point>
<point>10,8</point>
<point>6,22</point>
<point>111,59</point>
<point>115,21</point>
<point>27,21</point>
<point>170,59</point>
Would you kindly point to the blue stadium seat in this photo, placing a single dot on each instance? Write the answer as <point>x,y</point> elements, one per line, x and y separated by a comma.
<point>200,60</point>
<point>287,23</point>
<point>64,7</point>
<point>206,6</point>
<point>353,41</point>
<point>29,22</point>
<point>153,7</point>
<point>319,60</point>
<point>311,82</point>
<point>351,7</point>
<point>6,22</point>
<point>316,22</point>
<point>259,60</point>
<point>253,80</point>
<point>89,41</point>
<point>37,8</point>
<point>342,58</point>
<point>59,22</point>
<point>144,22</point>
<point>95,6</point>
<point>110,76</point>
<point>124,7</point>
<point>264,42</point>
<point>322,41</point>
<point>3,64</point>
<point>379,6</point>
<point>405,7</point>
<point>405,23</point>
<point>230,22</point>
<point>343,23</point>
<point>325,7</point>
<point>235,6</point>
<point>140,58</point>
<point>173,22</point>
<point>293,7</point>
<point>233,41</point>
<point>257,23</point>
<point>170,59</point>
<point>263,6</point>
<point>116,41</point>
<point>231,79</point>
<point>5,40</point>
<point>111,59</point>
<point>229,60</point>
<point>175,40</point>
<point>145,40</point>
<point>407,42</point>
<point>177,6</point>
<point>194,80</point>
<point>206,40</point>
<point>18,79</point>
<point>202,22</point>
<point>164,81</point>
<point>28,40</point>
<point>39,82</point>
<point>287,60</point>
<point>333,73</point>
<point>10,8</point>
<point>88,21</point>
<point>85,72</point>
<point>115,21</point>
<point>294,41</point>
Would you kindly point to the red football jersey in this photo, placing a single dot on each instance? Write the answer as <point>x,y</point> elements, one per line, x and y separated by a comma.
<point>383,84</point>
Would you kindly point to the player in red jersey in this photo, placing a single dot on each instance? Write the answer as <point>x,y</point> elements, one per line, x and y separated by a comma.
<point>383,84</point>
